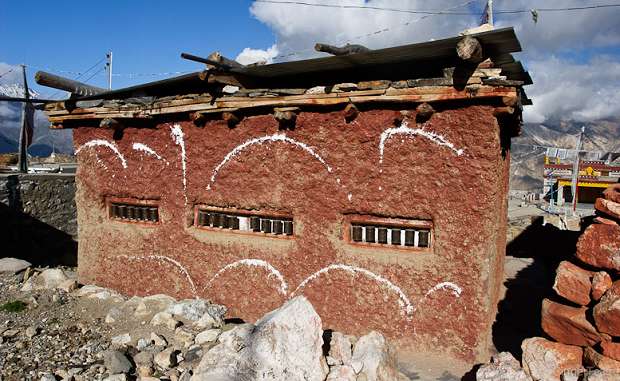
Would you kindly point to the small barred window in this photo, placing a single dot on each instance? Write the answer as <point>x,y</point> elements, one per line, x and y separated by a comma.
<point>244,222</point>
<point>391,234</point>
<point>133,212</point>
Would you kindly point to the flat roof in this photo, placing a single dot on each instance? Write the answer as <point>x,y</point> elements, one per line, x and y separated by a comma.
<point>419,60</point>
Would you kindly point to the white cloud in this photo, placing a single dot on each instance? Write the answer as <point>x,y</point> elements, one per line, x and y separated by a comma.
<point>298,28</point>
<point>572,91</point>
<point>562,31</point>
<point>250,56</point>
<point>562,88</point>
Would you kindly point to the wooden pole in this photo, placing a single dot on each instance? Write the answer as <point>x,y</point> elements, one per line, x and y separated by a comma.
<point>109,65</point>
<point>218,57</point>
<point>224,65</point>
<point>342,50</point>
<point>575,182</point>
<point>66,84</point>
<point>22,162</point>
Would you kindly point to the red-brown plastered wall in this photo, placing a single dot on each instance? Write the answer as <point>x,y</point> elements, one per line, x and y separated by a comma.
<point>411,296</point>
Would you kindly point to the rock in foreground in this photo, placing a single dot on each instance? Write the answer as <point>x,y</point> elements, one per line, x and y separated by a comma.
<point>13,265</point>
<point>503,367</point>
<point>286,344</point>
<point>545,360</point>
<point>568,325</point>
<point>607,311</point>
<point>573,283</point>
<point>591,251</point>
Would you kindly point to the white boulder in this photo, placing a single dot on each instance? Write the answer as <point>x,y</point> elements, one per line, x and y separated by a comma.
<point>341,373</point>
<point>150,305</point>
<point>285,344</point>
<point>207,336</point>
<point>13,265</point>
<point>95,292</point>
<point>48,279</point>
<point>189,309</point>
<point>503,367</point>
<point>339,349</point>
<point>165,319</point>
<point>374,359</point>
<point>121,340</point>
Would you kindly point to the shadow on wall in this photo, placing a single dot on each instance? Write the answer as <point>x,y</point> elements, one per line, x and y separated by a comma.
<point>25,237</point>
<point>540,248</point>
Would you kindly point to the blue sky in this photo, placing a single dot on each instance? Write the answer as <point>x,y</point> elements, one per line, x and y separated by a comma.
<point>573,57</point>
<point>145,36</point>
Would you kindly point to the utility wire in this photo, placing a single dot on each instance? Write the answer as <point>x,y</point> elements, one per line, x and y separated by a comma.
<point>435,12</point>
<point>467,3</point>
<point>80,74</point>
<point>94,74</point>
<point>298,52</point>
<point>131,75</point>
<point>90,68</point>
<point>600,6</point>
<point>6,72</point>
<point>571,150</point>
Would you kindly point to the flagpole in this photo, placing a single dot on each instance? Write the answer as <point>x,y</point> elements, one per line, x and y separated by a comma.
<point>490,12</point>
<point>22,162</point>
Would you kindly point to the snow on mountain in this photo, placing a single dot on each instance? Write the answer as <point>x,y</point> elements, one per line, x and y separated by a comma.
<point>16,91</point>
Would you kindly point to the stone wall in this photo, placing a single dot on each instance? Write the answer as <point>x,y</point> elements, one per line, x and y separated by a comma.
<point>39,217</point>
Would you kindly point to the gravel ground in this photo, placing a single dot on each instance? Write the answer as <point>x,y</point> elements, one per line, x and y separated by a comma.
<point>52,334</point>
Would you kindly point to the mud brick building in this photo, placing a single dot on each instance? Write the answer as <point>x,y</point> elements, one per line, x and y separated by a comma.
<point>373,183</point>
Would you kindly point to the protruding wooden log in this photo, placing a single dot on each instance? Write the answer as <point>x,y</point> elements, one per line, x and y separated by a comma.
<point>231,119</point>
<point>223,61</point>
<point>503,111</point>
<point>286,117</point>
<point>198,118</point>
<point>350,112</point>
<point>219,77</point>
<point>424,112</point>
<point>402,115</point>
<point>469,49</point>
<point>110,123</point>
<point>340,51</point>
<point>66,84</point>
<point>214,61</point>
<point>510,101</point>
<point>115,125</point>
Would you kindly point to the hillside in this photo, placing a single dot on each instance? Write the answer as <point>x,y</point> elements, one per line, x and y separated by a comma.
<point>44,138</point>
<point>527,160</point>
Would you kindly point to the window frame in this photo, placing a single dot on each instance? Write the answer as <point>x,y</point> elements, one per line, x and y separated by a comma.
<point>153,203</point>
<point>401,223</point>
<point>267,214</point>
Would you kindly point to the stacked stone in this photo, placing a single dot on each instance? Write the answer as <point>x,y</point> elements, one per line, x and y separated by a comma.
<point>586,326</point>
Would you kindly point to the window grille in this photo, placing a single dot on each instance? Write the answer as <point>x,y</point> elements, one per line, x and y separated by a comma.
<point>245,222</point>
<point>133,212</point>
<point>403,236</point>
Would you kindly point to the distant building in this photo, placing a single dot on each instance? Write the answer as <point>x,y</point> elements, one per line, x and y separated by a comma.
<point>373,183</point>
<point>596,171</point>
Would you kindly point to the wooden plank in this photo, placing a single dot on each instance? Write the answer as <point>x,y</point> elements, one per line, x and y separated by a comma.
<point>227,104</point>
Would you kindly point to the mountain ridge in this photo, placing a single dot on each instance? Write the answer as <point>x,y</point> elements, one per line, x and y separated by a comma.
<point>528,150</point>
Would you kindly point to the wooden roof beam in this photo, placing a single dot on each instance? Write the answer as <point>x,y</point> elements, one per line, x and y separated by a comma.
<point>469,50</point>
<point>215,60</point>
<point>66,84</point>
